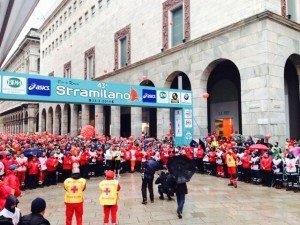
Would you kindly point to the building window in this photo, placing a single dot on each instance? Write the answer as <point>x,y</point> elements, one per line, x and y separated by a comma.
<point>123,47</point>
<point>65,35</point>
<point>89,63</point>
<point>67,70</point>
<point>52,45</point>
<point>93,10</point>
<point>60,20</point>
<point>56,42</point>
<point>86,16</point>
<point>75,5</point>
<point>177,26</point>
<point>100,4</point>
<point>70,31</point>
<point>56,24</point>
<point>49,32</point>
<point>74,26</point>
<point>60,38</point>
<point>38,65</point>
<point>70,10</point>
<point>176,22</point>
<point>80,2</point>
<point>80,21</point>
<point>123,52</point>
<point>46,34</point>
<point>43,54</point>
<point>43,38</point>
<point>65,15</point>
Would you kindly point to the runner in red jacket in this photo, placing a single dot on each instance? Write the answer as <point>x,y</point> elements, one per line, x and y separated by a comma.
<point>51,164</point>
<point>67,165</point>
<point>33,173</point>
<point>266,169</point>
<point>12,180</point>
<point>5,191</point>
<point>246,165</point>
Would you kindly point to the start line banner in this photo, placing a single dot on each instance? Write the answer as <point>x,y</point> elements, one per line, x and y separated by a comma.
<point>28,87</point>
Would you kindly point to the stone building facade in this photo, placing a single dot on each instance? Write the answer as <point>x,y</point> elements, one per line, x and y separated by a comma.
<point>22,117</point>
<point>245,54</point>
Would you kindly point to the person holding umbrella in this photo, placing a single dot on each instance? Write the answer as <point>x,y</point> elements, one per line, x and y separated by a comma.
<point>182,168</point>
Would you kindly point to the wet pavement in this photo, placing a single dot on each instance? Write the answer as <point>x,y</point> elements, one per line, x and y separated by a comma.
<point>210,201</point>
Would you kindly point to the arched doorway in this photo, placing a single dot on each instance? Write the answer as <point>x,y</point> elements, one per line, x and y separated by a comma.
<point>43,121</point>
<point>92,115</point>
<point>224,102</point>
<point>67,119</point>
<point>125,113</point>
<point>37,122</point>
<point>26,122</point>
<point>291,89</point>
<point>107,119</point>
<point>50,120</point>
<point>177,80</point>
<point>149,115</point>
<point>57,120</point>
<point>77,115</point>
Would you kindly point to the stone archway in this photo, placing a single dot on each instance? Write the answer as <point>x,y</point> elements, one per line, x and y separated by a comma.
<point>26,122</point>
<point>224,113</point>
<point>292,102</point>
<point>50,120</point>
<point>66,119</point>
<point>149,115</point>
<point>43,120</point>
<point>176,80</point>
<point>57,120</point>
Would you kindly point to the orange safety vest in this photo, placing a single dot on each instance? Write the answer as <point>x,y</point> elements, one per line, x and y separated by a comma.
<point>108,192</point>
<point>74,190</point>
<point>230,161</point>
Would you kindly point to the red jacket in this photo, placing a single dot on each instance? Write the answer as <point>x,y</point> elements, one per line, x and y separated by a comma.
<point>13,181</point>
<point>85,158</point>
<point>51,164</point>
<point>33,167</point>
<point>127,155</point>
<point>7,162</point>
<point>67,163</point>
<point>200,153</point>
<point>246,161</point>
<point>212,157</point>
<point>266,163</point>
<point>5,191</point>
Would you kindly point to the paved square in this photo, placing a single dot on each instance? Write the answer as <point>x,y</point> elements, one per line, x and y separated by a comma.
<point>210,201</point>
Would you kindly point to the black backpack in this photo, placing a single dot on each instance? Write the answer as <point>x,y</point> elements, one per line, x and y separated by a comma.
<point>5,221</point>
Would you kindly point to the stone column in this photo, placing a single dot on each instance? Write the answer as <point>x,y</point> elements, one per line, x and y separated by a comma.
<point>99,123</point>
<point>49,124</point>
<point>74,121</point>
<point>85,115</point>
<point>32,110</point>
<point>115,121</point>
<point>136,121</point>
<point>163,122</point>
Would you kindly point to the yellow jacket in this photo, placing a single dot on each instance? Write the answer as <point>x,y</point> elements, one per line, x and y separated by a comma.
<point>108,192</point>
<point>74,190</point>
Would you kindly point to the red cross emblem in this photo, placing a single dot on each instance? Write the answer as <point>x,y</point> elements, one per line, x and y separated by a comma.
<point>106,191</point>
<point>74,189</point>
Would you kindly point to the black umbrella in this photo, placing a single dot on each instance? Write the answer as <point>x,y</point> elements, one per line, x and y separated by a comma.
<point>182,168</point>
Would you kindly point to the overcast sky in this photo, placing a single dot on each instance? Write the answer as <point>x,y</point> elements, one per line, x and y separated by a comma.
<point>39,15</point>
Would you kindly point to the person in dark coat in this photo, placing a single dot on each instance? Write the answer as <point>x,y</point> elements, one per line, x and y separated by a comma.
<point>148,171</point>
<point>180,190</point>
<point>36,217</point>
<point>166,185</point>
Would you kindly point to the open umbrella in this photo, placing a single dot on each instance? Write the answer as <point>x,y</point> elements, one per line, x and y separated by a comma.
<point>182,168</point>
<point>259,136</point>
<point>259,147</point>
<point>296,151</point>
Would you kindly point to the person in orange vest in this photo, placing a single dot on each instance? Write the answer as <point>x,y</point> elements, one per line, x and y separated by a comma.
<point>109,194</point>
<point>231,167</point>
<point>74,186</point>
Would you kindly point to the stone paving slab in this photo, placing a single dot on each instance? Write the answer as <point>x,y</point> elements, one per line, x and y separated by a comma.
<point>210,201</point>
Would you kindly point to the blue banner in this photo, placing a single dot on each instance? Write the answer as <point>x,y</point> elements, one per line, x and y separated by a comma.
<point>28,87</point>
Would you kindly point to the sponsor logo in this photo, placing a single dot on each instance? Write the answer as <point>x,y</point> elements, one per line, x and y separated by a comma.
<point>186,98</point>
<point>14,82</point>
<point>132,95</point>
<point>149,95</point>
<point>14,85</point>
<point>39,87</point>
<point>175,97</point>
<point>162,97</point>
